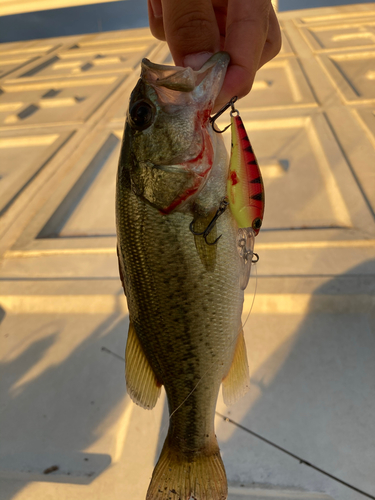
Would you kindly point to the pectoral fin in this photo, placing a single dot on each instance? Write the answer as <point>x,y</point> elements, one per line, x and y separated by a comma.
<point>207,253</point>
<point>237,381</point>
<point>141,382</point>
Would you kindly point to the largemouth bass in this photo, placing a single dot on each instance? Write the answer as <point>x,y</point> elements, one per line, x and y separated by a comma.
<point>183,290</point>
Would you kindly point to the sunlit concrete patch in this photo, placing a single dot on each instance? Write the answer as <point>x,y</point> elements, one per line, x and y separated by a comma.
<point>238,493</point>
<point>263,304</point>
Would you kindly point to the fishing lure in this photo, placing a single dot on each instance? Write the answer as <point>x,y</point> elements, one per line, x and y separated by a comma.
<point>245,187</point>
<point>245,190</point>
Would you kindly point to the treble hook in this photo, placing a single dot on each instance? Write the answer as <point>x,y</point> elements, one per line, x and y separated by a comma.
<point>219,113</point>
<point>222,207</point>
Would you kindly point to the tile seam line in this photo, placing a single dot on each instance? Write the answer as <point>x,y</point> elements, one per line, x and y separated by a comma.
<point>350,166</point>
<point>30,62</point>
<point>88,130</point>
<point>16,254</point>
<point>293,27</point>
<point>267,441</point>
<point>36,173</point>
<point>296,457</point>
<point>19,67</point>
<point>290,25</point>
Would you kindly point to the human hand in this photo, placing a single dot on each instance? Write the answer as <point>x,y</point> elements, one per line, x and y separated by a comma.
<point>195,29</point>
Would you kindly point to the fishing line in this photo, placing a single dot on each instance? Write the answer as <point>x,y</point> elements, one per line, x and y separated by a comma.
<point>215,362</point>
<point>254,294</point>
<point>105,349</point>
<point>301,460</point>
<point>265,440</point>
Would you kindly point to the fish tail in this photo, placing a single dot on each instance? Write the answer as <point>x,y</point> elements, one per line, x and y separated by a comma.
<point>179,477</point>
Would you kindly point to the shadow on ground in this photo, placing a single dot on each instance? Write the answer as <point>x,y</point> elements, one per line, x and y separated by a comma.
<point>312,395</point>
<point>60,393</point>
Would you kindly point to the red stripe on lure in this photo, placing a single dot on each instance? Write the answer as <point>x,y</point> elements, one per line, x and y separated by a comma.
<point>245,184</point>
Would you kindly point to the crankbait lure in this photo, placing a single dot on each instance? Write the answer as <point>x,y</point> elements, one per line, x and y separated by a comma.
<point>245,187</point>
<point>245,190</point>
<point>245,184</point>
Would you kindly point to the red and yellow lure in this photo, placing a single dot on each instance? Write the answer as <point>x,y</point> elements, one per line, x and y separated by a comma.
<point>245,187</point>
<point>245,191</point>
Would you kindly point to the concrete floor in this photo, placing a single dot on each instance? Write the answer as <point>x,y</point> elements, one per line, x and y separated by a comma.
<point>68,428</point>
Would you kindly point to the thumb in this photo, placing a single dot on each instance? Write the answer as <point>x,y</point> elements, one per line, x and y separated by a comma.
<point>191,31</point>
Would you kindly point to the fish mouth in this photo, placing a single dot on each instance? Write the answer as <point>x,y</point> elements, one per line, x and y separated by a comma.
<point>204,84</point>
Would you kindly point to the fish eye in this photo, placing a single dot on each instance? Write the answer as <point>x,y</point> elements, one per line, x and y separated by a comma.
<point>257,223</point>
<point>141,115</point>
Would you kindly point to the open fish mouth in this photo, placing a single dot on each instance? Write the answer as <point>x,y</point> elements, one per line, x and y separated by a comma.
<point>174,78</point>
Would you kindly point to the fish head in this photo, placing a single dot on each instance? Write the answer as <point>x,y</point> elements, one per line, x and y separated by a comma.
<point>167,144</point>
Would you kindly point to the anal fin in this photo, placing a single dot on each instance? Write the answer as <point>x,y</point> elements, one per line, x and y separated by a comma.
<point>141,382</point>
<point>237,381</point>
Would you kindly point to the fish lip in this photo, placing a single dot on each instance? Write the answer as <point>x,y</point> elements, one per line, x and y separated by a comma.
<point>186,80</point>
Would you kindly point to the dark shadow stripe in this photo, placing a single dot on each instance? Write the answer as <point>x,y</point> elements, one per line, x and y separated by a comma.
<point>41,66</point>
<point>77,20</point>
<point>75,195</point>
<point>30,180</point>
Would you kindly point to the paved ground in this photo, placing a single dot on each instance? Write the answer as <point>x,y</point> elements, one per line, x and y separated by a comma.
<point>68,428</point>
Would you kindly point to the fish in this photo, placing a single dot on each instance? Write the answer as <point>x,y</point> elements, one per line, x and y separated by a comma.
<point>182,283</point>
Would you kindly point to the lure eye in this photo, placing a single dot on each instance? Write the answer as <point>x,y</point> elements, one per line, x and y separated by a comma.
<point>257,224</point>
<point>141,115</point>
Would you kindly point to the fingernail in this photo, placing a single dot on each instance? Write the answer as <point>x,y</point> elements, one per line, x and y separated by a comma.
<point>196,61</point>
<point>157,8</point>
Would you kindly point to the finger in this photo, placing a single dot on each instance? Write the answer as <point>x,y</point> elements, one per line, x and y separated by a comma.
<point>190,28</point>
<point>246,34</point>
<point>155,17</point>
<point>273,42</point>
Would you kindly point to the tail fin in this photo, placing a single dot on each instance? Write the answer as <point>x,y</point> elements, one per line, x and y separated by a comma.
<point>180,477</point>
